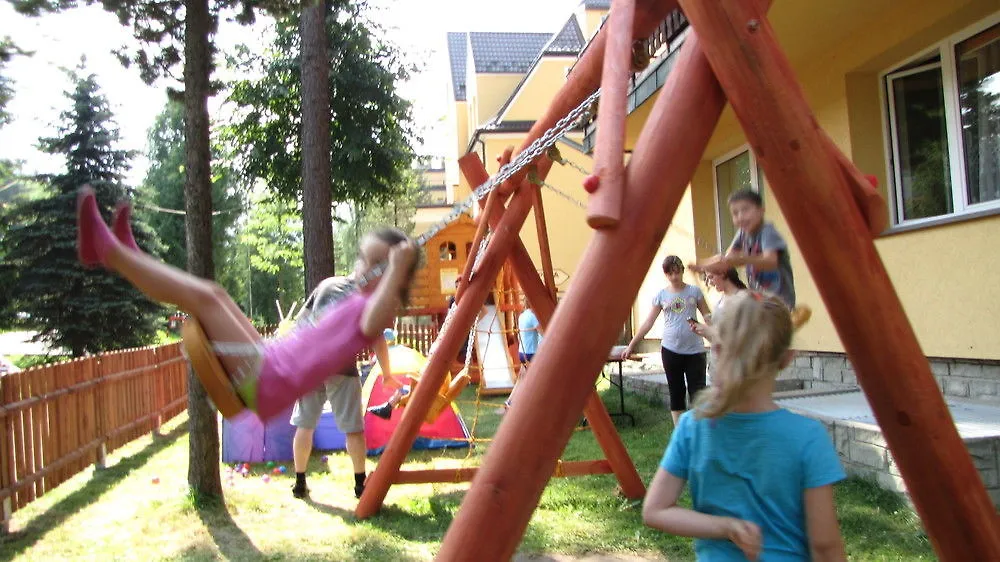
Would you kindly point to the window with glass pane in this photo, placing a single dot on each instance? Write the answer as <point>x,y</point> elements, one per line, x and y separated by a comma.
<point>730,176</point>
<point>978,62</point>
<point>921,143</point>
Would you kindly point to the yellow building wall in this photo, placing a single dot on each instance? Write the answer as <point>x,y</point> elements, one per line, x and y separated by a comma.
<point>940,273</point>
<point>492,90</point>
<point>536,93</point>
<point>589,20</point>
<point>566,222</point>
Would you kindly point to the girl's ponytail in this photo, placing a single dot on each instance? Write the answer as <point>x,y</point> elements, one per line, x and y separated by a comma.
<point>750,339</point>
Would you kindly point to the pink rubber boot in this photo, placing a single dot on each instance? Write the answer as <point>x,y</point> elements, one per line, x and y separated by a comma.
<point>120,225</point>
<point>93,237</point>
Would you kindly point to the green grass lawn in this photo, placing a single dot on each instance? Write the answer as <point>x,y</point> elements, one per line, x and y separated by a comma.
<point>120,514</point>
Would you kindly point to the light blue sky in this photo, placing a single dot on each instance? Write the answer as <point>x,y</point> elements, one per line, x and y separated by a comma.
<point>59,40</point>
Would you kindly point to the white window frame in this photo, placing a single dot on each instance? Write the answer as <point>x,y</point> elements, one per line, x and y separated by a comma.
<point>754,184</point>
<point>945,50</point>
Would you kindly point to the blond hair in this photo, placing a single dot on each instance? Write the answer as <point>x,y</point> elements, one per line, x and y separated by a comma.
<point>750,337</point>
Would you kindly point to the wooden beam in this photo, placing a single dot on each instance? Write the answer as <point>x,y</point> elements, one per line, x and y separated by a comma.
<point>449,342</point>
<point>565,469</point>
<point>811,188</point>
<point>543,241</point>
<point>527,445</point>
<point>586,75</point>
<point>544,304</point>
<point>605,204</point>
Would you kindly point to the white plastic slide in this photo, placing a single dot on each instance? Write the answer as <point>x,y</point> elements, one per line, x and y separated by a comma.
<point>491,350</point>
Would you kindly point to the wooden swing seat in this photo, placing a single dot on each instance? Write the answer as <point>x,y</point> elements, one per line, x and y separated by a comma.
<point>209,369</point>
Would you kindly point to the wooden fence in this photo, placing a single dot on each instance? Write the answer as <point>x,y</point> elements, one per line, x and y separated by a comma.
<point>59,419</point>
<point>419,337</point>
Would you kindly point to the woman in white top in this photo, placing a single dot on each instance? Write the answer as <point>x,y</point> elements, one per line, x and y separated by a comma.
<point>682,350</point>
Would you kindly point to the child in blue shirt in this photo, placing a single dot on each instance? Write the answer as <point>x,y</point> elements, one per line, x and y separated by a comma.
<point>760,476</point>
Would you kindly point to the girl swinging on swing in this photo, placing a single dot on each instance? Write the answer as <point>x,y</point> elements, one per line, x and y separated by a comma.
<point>265,376</point>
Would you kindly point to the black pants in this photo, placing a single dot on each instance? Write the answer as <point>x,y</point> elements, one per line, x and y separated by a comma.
<point>680,366</point>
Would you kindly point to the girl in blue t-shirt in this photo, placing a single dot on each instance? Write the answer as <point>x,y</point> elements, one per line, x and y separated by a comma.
<point>682,350</point>
<point>760,476</point>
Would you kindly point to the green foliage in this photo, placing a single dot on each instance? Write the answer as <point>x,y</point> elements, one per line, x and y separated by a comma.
<point>79,309</point>
<point>163,188</point>
<point>270,256</point>
<point>366,216</point>
<point>7,50</point>
<point>370,125</point>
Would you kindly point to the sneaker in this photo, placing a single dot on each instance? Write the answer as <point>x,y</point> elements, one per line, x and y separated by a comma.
<point>300,492</point>
<point>358,490</point>
<point>383,411</point>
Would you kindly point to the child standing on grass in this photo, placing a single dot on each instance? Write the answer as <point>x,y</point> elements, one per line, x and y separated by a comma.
<point>682,350</point>
<point>758,246</point>
<point>760,476</point>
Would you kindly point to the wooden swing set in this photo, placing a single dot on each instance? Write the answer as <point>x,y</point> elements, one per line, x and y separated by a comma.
<point>833,212</point>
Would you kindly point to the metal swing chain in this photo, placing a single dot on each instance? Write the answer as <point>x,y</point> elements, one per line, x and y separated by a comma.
<point>525,157</point>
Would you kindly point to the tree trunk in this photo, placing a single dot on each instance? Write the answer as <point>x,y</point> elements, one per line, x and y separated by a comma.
<point>317,206</point>
<point>203,447</point>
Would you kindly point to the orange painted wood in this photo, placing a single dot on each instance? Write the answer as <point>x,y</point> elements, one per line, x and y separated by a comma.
<point>543,303</point>
<point>565,469</point>
<point>543,240</point>
<point>493,201</point>
<point>586,74</point>
<point>504,236</point>
<point>605,204</point>
<point>810,187</point>
<point>868,199</point>
<point>523,455</point>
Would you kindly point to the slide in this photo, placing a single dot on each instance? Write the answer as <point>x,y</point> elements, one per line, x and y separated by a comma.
<point>491,350</point>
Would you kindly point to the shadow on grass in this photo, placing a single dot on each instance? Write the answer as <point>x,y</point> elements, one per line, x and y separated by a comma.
<point>102,481</point>
<point>331,510</point>
<point>233,543</point>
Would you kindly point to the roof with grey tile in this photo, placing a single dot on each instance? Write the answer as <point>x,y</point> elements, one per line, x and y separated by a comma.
<point>457,48</point>
<point>597,4</point>
<point>568,41</point>
<point>505,52</point>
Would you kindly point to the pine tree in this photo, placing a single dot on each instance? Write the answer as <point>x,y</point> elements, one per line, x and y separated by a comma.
<point>82,310</point>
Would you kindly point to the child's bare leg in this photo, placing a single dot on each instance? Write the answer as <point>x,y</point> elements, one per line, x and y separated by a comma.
<point>159,281</point>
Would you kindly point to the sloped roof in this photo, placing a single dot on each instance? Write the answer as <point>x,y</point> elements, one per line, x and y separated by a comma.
<point>456,56</point>
<point>568,41</point>
<point>505,52</point>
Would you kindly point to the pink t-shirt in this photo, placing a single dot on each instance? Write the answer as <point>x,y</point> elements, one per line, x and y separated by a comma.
<point>298,363</point>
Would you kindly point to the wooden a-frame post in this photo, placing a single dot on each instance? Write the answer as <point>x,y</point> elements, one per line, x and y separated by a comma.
<point>804,171</point>
<point>514,471</point>
<point>471,295</point>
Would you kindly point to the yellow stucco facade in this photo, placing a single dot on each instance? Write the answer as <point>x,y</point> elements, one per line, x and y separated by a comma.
<point>943,273</point>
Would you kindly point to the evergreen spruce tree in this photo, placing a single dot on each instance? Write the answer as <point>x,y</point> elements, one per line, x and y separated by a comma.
<point>82,310</point>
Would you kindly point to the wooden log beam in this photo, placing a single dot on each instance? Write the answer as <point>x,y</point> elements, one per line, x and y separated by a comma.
<point>565,469</point>
<point>493,205</point>
<point>543,302</point>
<point>516,467</point>
<point>586,75</point>
<point>450,340</point>
<point>519,259</point>
<point>542,232</point>
<point>605,204</point>
<point>822,213</point>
